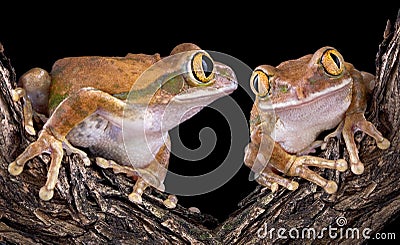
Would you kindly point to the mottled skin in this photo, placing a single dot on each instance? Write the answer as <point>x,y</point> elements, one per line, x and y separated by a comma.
<point>86,101</point>
<point>295,102</point>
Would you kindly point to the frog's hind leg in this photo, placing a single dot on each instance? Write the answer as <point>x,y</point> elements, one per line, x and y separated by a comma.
<point>288,164</point>
<point>271,180</point>
<point>72,111</point>
<point>46,142</point>
<point>298,166</point>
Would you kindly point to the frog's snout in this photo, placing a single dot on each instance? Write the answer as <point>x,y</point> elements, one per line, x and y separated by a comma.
<point>225,78</point>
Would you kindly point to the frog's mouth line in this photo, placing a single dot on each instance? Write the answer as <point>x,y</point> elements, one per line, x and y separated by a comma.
<point>268,105</point>
<point>205,93</point>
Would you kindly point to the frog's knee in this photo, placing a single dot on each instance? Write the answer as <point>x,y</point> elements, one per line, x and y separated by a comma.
<point>369,80</point>
<point>36,83</point>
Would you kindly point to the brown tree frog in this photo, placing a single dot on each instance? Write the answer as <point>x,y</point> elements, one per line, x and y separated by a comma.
<point>295,102</point>
<point>85,100</point>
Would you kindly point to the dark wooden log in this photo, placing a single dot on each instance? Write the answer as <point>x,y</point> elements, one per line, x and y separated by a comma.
<point>90,205</point>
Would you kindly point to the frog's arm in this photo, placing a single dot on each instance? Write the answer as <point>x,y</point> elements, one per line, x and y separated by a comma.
<point>355,119</point>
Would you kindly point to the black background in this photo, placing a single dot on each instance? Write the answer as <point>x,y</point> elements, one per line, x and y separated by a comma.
<point>35,35</point>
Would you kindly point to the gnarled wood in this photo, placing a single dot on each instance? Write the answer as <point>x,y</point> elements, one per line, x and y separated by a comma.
<point>91,205</point>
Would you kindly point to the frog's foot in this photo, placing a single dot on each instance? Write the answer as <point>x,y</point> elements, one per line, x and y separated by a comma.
<point>140,186</point>
<point>271,180</point>
<point>171,201</point>
<point>138,189</point>
<point>71,149</point>
<point>355,122</point>
<point>145,178</point>
<point>145,174</point>
<point>20,93</point>
<point>118,169</point>
<point>298,166</point>
<point>45,143</point>
<point>334,134</point>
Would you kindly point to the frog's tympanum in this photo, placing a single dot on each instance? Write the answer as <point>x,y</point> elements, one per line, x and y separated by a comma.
<point>84,102</point>
<point>295,102</point>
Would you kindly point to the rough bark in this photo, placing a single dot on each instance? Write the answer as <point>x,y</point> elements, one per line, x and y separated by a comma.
<point>91,204</point>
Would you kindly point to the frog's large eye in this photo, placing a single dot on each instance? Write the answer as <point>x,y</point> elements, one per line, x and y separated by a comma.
<point>203,68</point>
<point>332,62</point>
<point>259,83</point>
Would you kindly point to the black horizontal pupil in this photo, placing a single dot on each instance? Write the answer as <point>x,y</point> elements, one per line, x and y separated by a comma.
<point>255,83</point>
<point>335,59</point>
<point>207,65</point>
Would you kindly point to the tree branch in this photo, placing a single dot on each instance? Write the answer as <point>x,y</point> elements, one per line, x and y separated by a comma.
<point>91,205</point>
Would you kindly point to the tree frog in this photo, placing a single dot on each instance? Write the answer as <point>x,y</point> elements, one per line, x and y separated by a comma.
<point>295,102</point>
<point>84,101</point>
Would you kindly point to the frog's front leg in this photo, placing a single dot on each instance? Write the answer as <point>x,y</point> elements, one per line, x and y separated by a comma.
<point>355,120</point>
<point>151,175</point>
<point>353,123</point>
<point>154,175</point>
<point>67,115</point>
<point>288,164</point>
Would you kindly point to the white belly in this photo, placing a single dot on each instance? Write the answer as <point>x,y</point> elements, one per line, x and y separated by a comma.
<point>299,126</point>
<point>130,145</point>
